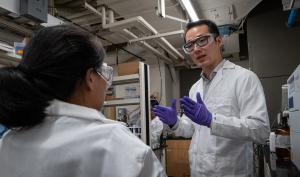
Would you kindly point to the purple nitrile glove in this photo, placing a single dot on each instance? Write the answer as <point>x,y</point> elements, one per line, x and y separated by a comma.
<point>167,115</point>
<point>197,112</point>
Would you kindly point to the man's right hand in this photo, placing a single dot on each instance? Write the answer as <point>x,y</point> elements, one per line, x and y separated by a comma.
<point>167,115</point>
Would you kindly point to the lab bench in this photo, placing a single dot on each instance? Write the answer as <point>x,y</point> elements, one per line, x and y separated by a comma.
<point>274,167</point>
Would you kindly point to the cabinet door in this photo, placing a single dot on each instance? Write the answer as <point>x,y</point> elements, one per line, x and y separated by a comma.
<point>177,158</point>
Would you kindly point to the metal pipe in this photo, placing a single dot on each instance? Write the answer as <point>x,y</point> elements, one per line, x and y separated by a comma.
<point>157,36</point>
<point>111,16</point>
<point>103,17</point>
<point>15,27</point>
<point>149,47</point>
<point>176,19</point>
<point>138,19</point>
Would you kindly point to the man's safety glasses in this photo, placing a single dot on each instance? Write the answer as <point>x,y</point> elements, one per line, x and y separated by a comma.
<point>106,72</point>
<point>200,41</point>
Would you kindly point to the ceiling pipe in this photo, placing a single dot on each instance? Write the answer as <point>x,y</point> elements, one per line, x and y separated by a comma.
<point>149,47</point>
<point>103,15</point>
<point>111,18</point>
<point>128,33</point>
<point>167,50</point>
<point>159,42</point>
<point>157,36</point>
<point>123,24</point>
<point>14,27</point>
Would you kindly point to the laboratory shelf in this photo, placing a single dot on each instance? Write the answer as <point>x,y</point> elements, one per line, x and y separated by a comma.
<point>143,101</point>
<point>132,78</point>
<point>9,60</point>
<point>123,102</point>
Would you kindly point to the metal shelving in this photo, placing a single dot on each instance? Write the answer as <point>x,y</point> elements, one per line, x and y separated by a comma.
<point>128,101</point>
<point>132,78</point>
<point>9,60</point>
<point>143,78</point>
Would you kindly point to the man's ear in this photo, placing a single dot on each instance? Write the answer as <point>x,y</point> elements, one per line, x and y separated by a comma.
<point>219,41</point>
<point>89,79</point>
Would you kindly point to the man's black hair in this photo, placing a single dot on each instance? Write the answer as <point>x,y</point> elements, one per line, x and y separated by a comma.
<point>212,27</point>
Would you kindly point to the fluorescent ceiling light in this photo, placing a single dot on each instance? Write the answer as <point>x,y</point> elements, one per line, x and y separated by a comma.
<point>190,9</point>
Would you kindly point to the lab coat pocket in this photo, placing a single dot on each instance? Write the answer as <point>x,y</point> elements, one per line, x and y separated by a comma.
<point>205,163</point>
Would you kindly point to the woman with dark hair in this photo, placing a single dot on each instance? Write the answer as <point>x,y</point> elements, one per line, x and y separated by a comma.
<point>50,103</point>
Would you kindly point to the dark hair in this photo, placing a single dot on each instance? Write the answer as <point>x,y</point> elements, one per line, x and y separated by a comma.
<point>54,61</point>
<point>212,27</point>
<point>153,101</point>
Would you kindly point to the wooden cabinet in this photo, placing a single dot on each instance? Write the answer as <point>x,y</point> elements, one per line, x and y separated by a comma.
<point>177,158</point>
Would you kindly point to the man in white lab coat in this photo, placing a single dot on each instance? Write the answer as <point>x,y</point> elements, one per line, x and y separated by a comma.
<point>224,113</point>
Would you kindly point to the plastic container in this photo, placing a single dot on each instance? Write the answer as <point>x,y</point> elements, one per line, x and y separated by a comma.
<point>19,48</point>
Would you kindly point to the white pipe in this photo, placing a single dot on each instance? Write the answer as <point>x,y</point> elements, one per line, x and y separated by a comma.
<point>6,47</point>
<point>122,25</point>
<point>172,47</point>
<point>111,16</point>
<point>146,24</point>
<point>149,47</point>
<point>167,50</point>
<point>142,21</point>
<point>157,36</point>
<point>190,9</point>
<point>15,27</point>
<point>103,17</point>
<point>175,18</point>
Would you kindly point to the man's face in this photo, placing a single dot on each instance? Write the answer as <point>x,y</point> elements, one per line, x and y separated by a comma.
<point>209,55</point>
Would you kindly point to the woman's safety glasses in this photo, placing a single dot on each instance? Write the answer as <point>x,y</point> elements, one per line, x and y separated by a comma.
<point>106,72</point>
<point>200,41</point>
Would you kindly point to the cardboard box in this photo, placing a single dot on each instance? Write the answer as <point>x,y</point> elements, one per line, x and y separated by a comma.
<point>128,68</point>
<point>109,97</point>
<point>110,112</point>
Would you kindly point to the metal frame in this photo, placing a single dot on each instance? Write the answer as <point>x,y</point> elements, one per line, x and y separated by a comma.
<point>157,36</point>
<point>161,11</point>
<point>145,102</point>
<point>143,78</point>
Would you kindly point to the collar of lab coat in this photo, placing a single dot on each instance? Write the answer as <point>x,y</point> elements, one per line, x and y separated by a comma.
<point>218,77</point>
<point>214,72</point>
<point>228,65</point>
<point>60,108</point>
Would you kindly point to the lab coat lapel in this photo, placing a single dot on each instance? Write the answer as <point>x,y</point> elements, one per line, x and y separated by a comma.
<point>200,88</point>
<point>214,83</point>
<point>218,78</point>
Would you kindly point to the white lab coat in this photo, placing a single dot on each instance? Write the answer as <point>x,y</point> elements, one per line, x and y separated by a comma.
<point>156,128</point>
<point>237,102</point>
<point>76,141</point>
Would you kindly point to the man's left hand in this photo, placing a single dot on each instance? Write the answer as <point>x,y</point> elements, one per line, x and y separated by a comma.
<point>196,111</point>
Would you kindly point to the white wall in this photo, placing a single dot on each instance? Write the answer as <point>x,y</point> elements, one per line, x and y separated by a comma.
<point>162,82</point>
<point>157,72</point>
